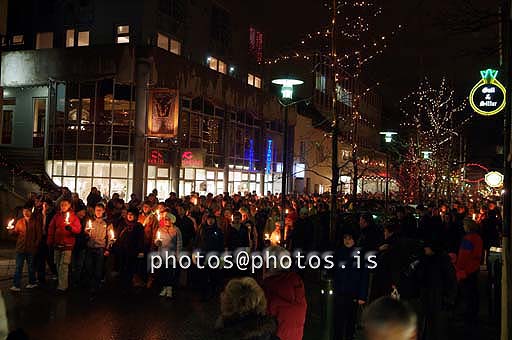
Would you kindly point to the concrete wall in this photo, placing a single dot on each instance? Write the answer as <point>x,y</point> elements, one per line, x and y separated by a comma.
<point>23,113</point>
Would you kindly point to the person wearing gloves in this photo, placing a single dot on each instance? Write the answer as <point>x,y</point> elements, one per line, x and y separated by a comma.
<point>29,233</point>
<point>100,236</point>
<point>169,243</point>
<point>61,236</point>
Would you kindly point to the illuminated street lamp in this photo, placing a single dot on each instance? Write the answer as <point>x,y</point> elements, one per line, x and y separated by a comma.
<point>426,154</point>
<point>287,85</point>
<point>494,179</point>
<point>388,138</point>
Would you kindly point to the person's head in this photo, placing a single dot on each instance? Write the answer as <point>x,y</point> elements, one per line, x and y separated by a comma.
<point>99,210</point>
<point>492,205</point>
<point>74,196</point>
<point>81,213</point>
<point>161,207</point>
<point>132,214</point>
<point>389,319</point>
<point>348,239</point>
<point>27,211</point>
<point>244,212</point>
<point>146,207</point>
<point>365,220</point>
<point>389,229</point>
<point>65,205</point>
<point>210,219</point>
<point>115,196</point>
<point>242,297</point>
<point>169,220</point>
<point>237,217</point>
<point>133,196</point>
<point>303,212</point>
<point>94,190</point>
<point>180,210</point>
<point>281,264</point>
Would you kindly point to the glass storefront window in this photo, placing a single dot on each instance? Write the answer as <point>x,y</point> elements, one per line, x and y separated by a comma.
<point>49,165</point>
<point>69,168</point>
<point>200,174</point>
<point>187,188</point>
<point>210,175</point>
<point>220,175</point>
<point>57,180</point>
<point>220,187</point>
<point>189,173</point>
<point>253,177</point>
<point>245,177</point>
<point>118,186</point>
<point>163,173</point>
<point>69,182</point>
<point>101,169</point>
<point>150,186</point>
<point>120,170</point>
<point>83,187</point>
<point>103,185</point>
<point>84,169</point>
<point>130,171</point>
<point>237,176</point>
<point>210,187</point>
<point>151,171</point>
<point>163,188</point>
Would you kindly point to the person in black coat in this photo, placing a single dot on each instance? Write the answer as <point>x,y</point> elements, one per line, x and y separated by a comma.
<point>209,240</point>
<point>350,287</point>
<point>302,234</point>
<point>129,246</point>
<point>237,234</point>
<point>370,237</point>
<point>438,290</point>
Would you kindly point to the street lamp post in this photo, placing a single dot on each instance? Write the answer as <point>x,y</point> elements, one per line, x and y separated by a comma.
<point>287,85</point>
<point>388,138</point>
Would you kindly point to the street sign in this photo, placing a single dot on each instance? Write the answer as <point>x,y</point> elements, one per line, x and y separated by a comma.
<point>488,96</point>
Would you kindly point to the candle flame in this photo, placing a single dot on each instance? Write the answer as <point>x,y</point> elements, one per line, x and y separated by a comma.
<point>10,225</point>
<point>112,235</point>
<point>89,225</point>
<point>158,235</point>
<point>67,217</point>
<point>158,215</point>
<point>267,236</point>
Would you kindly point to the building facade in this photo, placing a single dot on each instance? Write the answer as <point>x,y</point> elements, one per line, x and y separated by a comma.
<point>131,96</point>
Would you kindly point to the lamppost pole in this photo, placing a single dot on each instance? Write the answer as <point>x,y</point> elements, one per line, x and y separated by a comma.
<point>386,202</point>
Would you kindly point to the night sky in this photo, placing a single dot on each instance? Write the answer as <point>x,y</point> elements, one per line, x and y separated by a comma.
<point>427,46</point>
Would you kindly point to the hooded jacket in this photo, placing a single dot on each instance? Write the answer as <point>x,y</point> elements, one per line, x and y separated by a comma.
<point>286,300</point>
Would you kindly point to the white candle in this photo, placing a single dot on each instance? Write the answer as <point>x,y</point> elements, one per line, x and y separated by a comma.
<point>158,235</point>
<point>10,225</point>
<point>67,217</point>
<point>267,236</point>
<point>158,214</point>
<point>89,225</point>
<point>112,235</point>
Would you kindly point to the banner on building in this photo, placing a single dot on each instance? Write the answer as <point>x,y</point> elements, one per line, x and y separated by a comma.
<point>192,158</point>
<point>163,113</point>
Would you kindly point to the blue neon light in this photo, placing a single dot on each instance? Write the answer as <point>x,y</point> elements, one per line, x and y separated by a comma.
<point>268,167</point>
<point>251,154</point>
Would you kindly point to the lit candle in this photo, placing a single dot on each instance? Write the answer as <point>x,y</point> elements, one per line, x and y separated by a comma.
<point>89,225</point>
<point>112,235</point>
<point>158,235</point>
<point>158,215</point>
<point>67,217</point>
<point>286,211</point>
<point>474,217</point>
<point>10,225</point>
<point>232,219</point>
<point>267,236</point>
<point>33,209</point>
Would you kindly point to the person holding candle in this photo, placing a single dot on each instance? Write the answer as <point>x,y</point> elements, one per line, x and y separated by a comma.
<point>99,239</point>
<point>169,243</point>
<point>78,253</point>
<point>61,236</point>
<point>29,234</point>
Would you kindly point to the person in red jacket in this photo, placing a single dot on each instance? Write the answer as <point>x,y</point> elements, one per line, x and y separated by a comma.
<point>468,267</point>
<point>286,298</point>
<point>61,236</point>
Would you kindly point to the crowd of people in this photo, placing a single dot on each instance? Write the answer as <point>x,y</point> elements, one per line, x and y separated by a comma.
<point>428,256</point>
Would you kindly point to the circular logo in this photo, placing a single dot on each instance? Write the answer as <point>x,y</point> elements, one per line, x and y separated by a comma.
<point>488,96</point>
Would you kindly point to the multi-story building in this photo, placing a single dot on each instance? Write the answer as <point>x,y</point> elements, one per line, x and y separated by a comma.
<point>129,96</point>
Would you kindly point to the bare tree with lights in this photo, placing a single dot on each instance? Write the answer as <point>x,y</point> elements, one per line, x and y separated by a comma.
<point>429,115</point>
<point>340,49</point>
